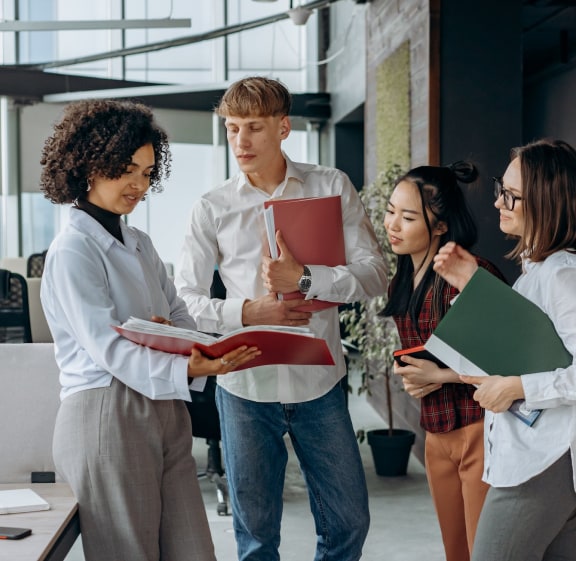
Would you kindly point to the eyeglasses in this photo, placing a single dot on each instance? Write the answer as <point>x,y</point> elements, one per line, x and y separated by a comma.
<point>509,197</point>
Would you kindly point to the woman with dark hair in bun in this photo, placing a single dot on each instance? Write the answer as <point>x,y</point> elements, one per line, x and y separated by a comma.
<point>427,209</point>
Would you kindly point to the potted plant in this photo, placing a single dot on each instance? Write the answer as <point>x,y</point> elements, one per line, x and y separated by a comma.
<point>375,338</point>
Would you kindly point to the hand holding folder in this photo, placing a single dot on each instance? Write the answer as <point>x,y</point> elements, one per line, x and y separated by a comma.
<point>492,329</point>
<point>313,231</point>
<point>279,344</point>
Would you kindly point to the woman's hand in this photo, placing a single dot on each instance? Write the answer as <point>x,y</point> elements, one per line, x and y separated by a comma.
<point>421,377</point>
<point>496,393</point>
<point>455,265</point>
<point>200,365</point>
<point>418,391</point>
<point>421,371</point>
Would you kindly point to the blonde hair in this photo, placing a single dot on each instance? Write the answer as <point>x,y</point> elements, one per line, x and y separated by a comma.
<point>256,95</point>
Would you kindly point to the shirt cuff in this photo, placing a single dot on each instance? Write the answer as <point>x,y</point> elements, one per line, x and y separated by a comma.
<point>180,377</point>
<point>321,277</point>
<point>198,384</point>
<point>232,313</point>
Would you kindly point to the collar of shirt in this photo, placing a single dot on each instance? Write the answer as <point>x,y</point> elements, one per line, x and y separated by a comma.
<point>83,222</point>
<point>292,172</point>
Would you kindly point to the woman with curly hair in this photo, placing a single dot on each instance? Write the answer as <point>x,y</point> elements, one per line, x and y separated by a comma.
<point>123,437</point>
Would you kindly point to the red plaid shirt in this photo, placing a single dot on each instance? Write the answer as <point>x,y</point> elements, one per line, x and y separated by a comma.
<point>452,406</point>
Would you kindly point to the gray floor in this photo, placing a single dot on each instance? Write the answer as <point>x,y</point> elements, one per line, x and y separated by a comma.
<point>403,528</point>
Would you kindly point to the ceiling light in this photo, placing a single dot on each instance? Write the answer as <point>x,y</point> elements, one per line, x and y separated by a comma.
<point>299,15</point>
<point>71,25</point>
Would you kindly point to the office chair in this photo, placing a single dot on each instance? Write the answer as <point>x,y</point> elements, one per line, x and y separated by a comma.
<point>14,308</point>
<point>206,422</point>
<point>35,264</point>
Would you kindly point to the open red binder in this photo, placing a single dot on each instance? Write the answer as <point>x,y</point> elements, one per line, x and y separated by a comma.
<point>313,231</point>
<point>278,346</point>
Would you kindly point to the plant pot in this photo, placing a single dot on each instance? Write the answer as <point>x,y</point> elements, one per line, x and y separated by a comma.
<point>391,452</point>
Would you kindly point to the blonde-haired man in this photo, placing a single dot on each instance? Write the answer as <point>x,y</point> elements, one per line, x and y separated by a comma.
<point>259,406</point>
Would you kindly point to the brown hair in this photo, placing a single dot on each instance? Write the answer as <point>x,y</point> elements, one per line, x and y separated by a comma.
<point>548,172</point>
<point>255,95</point>
<point>99,137</point>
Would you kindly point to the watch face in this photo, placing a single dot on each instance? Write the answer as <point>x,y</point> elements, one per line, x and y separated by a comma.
<point>305,281</point>
<point>304,284</point>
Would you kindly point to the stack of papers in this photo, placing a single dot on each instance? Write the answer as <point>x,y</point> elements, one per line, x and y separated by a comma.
<point>13,501</point>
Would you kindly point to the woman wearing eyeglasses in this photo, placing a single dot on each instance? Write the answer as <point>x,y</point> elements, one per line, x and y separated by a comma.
<point>427,209</point>
<point>530,510</point>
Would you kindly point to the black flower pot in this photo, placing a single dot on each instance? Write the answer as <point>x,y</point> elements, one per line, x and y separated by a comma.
<point>391,452</point>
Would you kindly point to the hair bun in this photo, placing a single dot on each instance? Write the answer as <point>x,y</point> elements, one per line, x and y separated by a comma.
<point>465,171</point>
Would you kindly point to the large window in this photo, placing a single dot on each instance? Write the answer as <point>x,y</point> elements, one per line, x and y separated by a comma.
<point>278,49</point>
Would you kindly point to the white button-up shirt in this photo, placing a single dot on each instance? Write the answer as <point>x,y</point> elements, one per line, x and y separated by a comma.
<point>515,452</point>
<point>227,228</point>
<point>91,281</point>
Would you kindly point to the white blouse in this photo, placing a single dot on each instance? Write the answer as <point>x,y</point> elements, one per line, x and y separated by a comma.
<point>91,281</point>
<point>515,452</point>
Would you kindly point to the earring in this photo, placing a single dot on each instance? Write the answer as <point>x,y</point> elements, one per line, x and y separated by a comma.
<point>88,185</point>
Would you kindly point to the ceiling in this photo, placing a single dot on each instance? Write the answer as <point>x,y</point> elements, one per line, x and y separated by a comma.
<point>549,36</point>
<point>549,43</point>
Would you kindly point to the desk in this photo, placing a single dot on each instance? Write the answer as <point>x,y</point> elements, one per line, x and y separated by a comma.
<point>54,531</point>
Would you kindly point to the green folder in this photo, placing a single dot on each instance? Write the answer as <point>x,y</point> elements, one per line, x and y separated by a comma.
<point>498,330</point>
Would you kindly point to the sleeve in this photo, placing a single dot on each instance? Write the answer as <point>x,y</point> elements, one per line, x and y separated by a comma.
<point>545,390</point>
<point>81,311</point>
<point>179,315</point>
<point>365,274</point>
<point>195,273</point>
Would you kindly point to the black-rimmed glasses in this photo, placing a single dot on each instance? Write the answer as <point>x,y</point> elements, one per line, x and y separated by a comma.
<point>509,197</point>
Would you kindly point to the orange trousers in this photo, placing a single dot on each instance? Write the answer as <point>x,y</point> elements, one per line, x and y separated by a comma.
<point>454,465</point>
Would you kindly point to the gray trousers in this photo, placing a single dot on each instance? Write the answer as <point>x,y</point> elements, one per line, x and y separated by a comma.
<point>534,521</point>
<point>129,461</point>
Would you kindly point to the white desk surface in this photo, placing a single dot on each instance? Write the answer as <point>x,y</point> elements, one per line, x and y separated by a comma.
<point>46,525</point>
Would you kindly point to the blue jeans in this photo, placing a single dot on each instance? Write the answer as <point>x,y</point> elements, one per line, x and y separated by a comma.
<point>255,459</point>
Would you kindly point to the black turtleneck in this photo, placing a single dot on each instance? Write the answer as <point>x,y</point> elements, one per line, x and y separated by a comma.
<point>110,220</point>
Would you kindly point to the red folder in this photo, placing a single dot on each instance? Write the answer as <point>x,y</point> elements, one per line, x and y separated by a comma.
<point>277,347</point>
<point>313,231</point>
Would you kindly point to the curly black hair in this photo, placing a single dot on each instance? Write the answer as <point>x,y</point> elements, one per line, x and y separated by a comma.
<point>99,137</point>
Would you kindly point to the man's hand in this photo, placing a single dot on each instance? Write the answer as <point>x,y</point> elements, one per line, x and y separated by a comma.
<point>268,310</point>
<point>282,274</point>
<point>496,393</point>
<point>160,319</point>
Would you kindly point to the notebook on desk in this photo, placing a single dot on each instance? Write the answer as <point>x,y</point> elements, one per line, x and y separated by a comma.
<point>13,501</point>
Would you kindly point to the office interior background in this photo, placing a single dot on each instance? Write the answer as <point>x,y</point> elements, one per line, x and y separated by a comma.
<point>375,82</point>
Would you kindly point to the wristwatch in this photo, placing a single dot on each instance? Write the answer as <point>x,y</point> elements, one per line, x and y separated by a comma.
<point>305,281</point>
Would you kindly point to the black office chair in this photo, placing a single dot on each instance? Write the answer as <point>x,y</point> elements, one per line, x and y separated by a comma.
<point>14,308</point>
<point>206,422</point>
<point>35,264</point>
